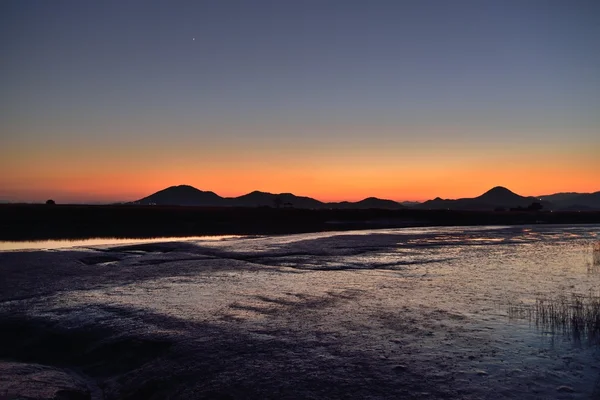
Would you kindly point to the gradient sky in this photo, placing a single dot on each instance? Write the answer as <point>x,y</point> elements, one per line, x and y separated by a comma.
<point>339,100</point>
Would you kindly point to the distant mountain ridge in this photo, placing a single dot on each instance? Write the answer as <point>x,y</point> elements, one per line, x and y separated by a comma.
<point>501,197</point>
<point>185,195</point>
<point>559,197</point>
<point>257,199</point>
<point>496,198</point>
<point>583,201</point>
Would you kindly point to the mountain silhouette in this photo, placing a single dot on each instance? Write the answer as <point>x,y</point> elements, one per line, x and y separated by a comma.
<point>559,197</point>
<point>258,199</point>
<point>410,203</point>
<point>497,197</point>
<point>185,195</point>
<point>369,202</point>
<point>503,197</point>
<point>581,202</point>
<point>182,195</point>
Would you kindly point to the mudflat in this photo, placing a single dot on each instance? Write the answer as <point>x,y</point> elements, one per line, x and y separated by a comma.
<point>414,313</point>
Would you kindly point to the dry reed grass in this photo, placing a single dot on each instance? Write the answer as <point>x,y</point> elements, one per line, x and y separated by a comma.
<point>575,315</point>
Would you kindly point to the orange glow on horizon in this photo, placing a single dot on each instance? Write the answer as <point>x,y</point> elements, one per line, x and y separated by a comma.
<point>327,171</point>
<point>320,183</point>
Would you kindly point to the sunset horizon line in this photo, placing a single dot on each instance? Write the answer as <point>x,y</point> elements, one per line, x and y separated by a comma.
<point>95,198</point>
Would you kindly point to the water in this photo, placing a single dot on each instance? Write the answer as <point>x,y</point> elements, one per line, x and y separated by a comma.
<point>68,243</point>
<point>404,313</point>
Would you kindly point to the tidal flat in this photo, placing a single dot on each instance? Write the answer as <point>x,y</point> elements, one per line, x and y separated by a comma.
<point>413,313</point>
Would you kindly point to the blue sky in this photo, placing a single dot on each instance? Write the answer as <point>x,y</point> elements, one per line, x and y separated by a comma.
<point>290,75</point>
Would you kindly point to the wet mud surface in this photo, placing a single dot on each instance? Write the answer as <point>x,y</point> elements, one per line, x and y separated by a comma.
<point>411,313</point>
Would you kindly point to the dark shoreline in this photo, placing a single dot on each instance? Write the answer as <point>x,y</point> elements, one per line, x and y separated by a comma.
<point>21,222</point>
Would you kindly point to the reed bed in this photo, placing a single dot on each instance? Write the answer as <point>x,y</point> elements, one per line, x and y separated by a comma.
<point>577,315</point>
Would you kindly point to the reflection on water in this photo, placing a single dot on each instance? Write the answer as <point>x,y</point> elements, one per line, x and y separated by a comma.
<point>423,313</point>
<point>59,244</point>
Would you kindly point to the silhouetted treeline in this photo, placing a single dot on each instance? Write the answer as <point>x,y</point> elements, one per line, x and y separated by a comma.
<point>31,222</point>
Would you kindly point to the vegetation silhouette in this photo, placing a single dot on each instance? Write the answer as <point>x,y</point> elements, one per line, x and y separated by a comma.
<point>39,222</point>
<point>576,316</point>
<point>535,206</point>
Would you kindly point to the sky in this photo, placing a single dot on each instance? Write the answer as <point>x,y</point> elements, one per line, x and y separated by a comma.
<point>106,101</point>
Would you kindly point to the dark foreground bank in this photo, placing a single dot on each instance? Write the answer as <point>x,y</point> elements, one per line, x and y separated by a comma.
<point>37,222</point>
